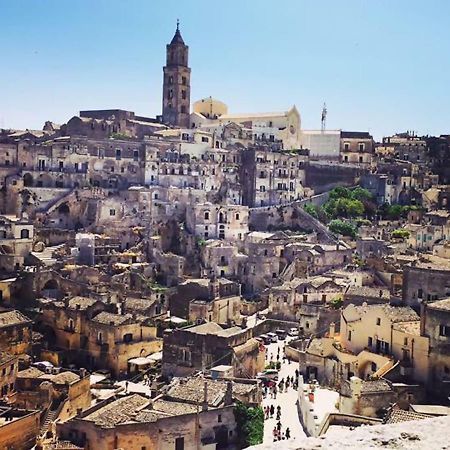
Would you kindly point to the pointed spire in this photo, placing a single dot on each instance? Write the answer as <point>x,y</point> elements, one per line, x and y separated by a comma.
<point>177,39</point>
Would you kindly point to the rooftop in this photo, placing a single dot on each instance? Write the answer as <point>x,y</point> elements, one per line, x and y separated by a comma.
<point>108,318</point>
<point>9,318</point>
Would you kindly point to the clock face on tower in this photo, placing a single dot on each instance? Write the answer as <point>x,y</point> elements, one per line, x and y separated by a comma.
<point>292,129</point>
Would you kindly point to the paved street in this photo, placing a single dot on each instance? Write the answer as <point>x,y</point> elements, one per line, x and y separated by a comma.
<point>287,401</point>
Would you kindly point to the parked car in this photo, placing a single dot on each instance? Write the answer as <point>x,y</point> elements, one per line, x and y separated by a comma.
<point>281,334</point>
<point>293,332</point>
<point>273,337</point>
<point>267,376</point>
<point>266,339</point>
<point>44,366</point>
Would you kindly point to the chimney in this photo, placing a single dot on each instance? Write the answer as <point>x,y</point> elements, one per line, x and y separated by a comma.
<point>332,329</point>
<point>228,399</point>
<point>205,396</point>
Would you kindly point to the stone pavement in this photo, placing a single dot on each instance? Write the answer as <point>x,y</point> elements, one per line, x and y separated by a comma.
<point>287,401</point>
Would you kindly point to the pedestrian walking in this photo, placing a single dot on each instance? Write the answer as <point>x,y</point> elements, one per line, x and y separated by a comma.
<point>288,433</point>
<point>272,410</point>
<point>279,426</point>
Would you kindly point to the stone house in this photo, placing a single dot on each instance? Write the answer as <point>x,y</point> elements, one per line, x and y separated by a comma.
<point>424,280</point>
<point>91,333</point>
<point>15,333</point>
<point>221,259</point>
<point>285,301</point>
<point>435,324</point>
<point>16,242</point>
<point>18,427</point>
<point>135,422</point>
<point>8,371</point>
<point>191,349</point>
<point>203,290</point>
<point>370,398</point>
<point>221,310</point>
<point>357,147</point>
<point>209,221</point>
<point>387,330</point>
<point>66,391</point>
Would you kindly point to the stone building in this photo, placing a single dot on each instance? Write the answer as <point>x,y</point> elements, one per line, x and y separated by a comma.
<point>357,147</point>
<point>387,330</point>
<point>18,427</point>
<point>16,242</point>
<point>424,280</point>
<point>272,177</point>
<point>191,349</point>
<point>435,324</point>
<point>210,221</point>
<point>8,371</point>
<point>15,333</point>
<point>135,422</point>
<point>65,392</point>
<point>91,333</point>
<point>177,83</point>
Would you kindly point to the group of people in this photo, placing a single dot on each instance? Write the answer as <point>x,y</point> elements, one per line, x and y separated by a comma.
<point>278,434</point>
<point>283,385</point>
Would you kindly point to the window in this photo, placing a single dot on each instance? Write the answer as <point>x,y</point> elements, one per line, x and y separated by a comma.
<point>405,341</point>
<point>112,212</point>
<point>179,443</point>
<point>369,342</point>
<point>118,154</point>
<point>361,146</point>
<point>206,215</point>
<point>349,337</point>
<point>183,80</point>
<point>219,418</point>
<point>420,293</point>
<point>346,146</point>
<point>378,321</point>
<point>374,367</point>
<point>171,79</point>
<point>444,330</point>
<point>170,93</point>
<point>136,155</point>
<point>183,95</point>
<point>237,216</point>
<point>24,234</point>
<point>205,139</point>
<point>183,109</point>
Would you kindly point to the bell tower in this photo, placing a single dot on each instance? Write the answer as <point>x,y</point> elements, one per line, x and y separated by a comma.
<point>177,83</point>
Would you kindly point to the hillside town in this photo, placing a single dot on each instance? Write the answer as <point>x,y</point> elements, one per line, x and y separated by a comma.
<point>209,279</point>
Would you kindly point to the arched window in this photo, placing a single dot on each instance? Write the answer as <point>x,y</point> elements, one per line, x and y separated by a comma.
<point>206,215</point>
<point>24,234</point>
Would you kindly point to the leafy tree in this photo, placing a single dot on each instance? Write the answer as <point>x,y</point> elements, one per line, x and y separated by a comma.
<point>361,194</point>
<point>340,192</point>
<point>343,227</point>
<point>250,425</point>
<point>311,210</point>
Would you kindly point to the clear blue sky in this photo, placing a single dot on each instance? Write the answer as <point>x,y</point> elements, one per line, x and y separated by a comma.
<point>380,65</point>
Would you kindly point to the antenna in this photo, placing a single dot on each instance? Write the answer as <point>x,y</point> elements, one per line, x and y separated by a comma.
<point>324,117</point>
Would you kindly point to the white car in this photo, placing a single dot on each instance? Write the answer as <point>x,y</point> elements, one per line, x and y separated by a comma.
<point>273,337</point>
<point>293,332</point>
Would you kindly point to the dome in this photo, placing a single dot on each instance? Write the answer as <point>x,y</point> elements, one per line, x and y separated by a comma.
<point>210,108</point>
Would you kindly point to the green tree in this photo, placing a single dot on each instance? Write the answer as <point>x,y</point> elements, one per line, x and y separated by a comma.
<point>311,210</point>
<point>250,424</point>
<point>343,227</point>
<point>340,192</point>
<point>361,194</point>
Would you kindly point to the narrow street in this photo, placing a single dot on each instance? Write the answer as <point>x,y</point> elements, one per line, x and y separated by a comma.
<point>286,400</point>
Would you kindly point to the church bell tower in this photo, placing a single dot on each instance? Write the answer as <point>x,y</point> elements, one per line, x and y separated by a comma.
<point>177,83</point>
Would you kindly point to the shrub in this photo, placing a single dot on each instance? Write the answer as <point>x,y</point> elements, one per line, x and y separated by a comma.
<point>401,234</point>
<point>343,227</point>
<point>250,425</point>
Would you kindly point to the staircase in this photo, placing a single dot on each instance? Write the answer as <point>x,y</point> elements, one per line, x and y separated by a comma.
<point>50,417</point>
